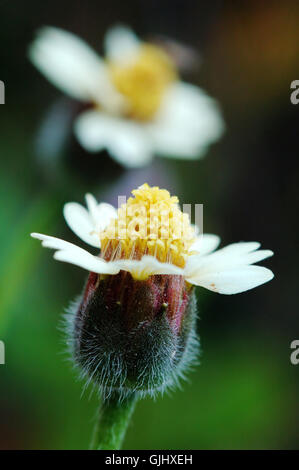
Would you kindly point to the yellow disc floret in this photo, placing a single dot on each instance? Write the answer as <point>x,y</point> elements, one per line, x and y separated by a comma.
<point>151,223</point>
<point>144,80</point>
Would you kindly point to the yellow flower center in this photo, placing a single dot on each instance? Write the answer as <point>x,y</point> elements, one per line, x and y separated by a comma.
<point>151,223</point>
<point>144,81</point>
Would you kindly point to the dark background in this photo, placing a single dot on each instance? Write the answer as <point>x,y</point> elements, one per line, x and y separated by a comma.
<point>245,392</point>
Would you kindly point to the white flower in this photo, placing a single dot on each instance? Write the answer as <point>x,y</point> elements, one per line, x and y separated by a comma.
<point>229,270</point>
<point>139,107</point>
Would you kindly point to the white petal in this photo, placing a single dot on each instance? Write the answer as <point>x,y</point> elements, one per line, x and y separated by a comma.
<point>92,205</point>
<point>147,266</point>
<point>240,248</point>
<point>81,223</point>
<point>186,123</point>
<point>234,281</point>
<point>219,271</point>
<point>126,140</point>
<point>231,256</point>
<point>100,214</point>
<point>105,212</point>
<point>54,243</point>
<point>87,224</point>
<point>66,60</point>
<point>121,45</point>
<point>72,65</point>
<point>205,243</point>
<point>72,254</point>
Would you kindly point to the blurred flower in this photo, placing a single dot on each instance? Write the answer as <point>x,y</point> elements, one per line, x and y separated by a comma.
<point>138,105</point>
<point>134,327</point>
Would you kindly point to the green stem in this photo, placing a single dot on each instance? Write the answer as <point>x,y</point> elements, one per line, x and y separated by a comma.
<point>113,421</point>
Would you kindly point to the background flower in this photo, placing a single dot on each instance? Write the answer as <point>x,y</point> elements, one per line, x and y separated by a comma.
<point>139,107</point>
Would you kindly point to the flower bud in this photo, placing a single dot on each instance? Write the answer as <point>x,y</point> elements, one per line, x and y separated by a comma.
<point>134,329</point>
<point>130,335</point>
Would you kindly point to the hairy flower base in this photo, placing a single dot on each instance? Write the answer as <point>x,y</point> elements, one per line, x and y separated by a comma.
<point>135,335</point>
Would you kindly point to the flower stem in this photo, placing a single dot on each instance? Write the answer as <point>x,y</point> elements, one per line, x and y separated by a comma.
<point>114,417</point>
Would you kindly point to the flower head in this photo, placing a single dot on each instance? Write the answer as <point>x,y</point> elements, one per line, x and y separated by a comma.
<point>134,326</point>
<point>150,235</point>
<point>138,104</point>
<point>150,223</point>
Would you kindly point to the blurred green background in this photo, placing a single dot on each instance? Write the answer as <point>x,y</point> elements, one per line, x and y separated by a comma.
<point>244,395</point>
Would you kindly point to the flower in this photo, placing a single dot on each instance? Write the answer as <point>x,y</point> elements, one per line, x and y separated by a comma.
<point>134,327</point>
<point>138,105</point>
<point>130,242</point>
